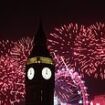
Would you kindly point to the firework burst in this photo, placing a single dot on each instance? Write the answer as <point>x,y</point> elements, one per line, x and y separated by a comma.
<point>12,65</point>
<point>21,49</point>
<point>85,51</point>
<point>82,46</point>
<point>61,41</point>
<point>99,31</point>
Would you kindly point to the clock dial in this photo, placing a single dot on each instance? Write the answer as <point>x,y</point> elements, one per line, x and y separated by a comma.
<point>46,73</point>
<point>30,73</point>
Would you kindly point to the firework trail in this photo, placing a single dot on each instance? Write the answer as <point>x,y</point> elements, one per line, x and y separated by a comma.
<point>82,46</point>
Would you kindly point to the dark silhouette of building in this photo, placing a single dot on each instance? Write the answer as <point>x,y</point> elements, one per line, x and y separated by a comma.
<point>39,77</point>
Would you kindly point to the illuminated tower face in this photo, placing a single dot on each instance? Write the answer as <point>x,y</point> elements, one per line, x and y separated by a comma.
<point>39,73</point>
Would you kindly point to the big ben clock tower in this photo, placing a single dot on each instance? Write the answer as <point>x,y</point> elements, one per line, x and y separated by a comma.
<point>39,78</point>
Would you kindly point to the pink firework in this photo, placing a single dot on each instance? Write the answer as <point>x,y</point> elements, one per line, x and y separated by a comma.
<point>11,83</point>
<point>89,48</point>
<point>61,41</point>
<point>82,46</point>
<point>84,51</point>
<point>21,49</point>
<point>99,31</point>
<point>12,64</point>
<point>5,46</point>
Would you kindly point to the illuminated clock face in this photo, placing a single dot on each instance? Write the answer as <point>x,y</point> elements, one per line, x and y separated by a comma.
<point>30,73</point>
<point>46,73</point>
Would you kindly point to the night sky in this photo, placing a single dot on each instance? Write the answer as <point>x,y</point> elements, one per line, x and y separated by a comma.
<point>21,18</point>
<point>18,19</point>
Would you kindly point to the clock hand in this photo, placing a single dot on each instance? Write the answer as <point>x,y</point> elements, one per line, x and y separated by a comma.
<point>46,71</point>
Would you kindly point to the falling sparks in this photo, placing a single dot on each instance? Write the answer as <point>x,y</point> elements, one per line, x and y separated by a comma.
<point>82,46</point>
